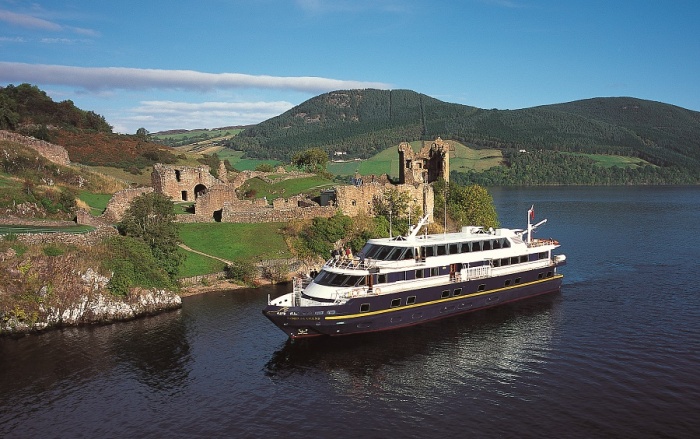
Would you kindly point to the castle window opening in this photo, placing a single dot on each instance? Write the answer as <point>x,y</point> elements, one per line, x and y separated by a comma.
<point>354,202</point>
<point>184,195</point>
<point>177,175</point>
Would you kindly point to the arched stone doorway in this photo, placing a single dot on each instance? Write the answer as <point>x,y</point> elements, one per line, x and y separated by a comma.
<point>199,190</point>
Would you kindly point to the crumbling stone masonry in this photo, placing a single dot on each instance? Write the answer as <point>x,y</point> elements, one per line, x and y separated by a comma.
<point>182,183</point>
<point>430,164</point>
<point>120,201</point>
<point>353,200</point>
<point>54,153</point>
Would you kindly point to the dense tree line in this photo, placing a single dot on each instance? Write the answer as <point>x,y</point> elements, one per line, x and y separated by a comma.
<point>555,168</point>
<point>28,109</point>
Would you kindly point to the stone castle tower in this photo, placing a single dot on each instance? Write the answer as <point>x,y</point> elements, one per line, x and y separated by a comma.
<point>429,164</point>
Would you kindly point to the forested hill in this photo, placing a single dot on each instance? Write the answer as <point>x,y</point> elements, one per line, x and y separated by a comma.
<point>363,122</point>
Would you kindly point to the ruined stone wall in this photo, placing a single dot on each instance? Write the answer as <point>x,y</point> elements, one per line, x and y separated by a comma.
<point>80,239</point>
<point>272,215</point>
<point>352,200</point>
<point>429,164</point>
<point>120,202</point>
<point>54,153</point>
<point>213,199</point>
<point>182,183</point>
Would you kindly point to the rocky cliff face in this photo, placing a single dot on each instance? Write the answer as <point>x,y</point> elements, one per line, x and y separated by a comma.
<point>39,292</point>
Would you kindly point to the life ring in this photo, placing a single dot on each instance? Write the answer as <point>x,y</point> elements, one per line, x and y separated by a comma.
<point>377,291</point>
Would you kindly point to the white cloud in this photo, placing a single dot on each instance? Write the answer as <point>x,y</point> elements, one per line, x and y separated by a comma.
<point>166,115</point>
<point>102,78</point>
<point>24,20</point>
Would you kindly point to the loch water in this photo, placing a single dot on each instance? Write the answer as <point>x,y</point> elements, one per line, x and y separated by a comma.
<point>616,354</point>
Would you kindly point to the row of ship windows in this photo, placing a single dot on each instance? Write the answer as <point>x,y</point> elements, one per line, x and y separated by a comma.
<point>410,300</point>
<point>345,280</point>
<point>388,253</point>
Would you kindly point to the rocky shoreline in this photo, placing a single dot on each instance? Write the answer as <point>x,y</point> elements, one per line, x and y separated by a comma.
<point>95,308</point>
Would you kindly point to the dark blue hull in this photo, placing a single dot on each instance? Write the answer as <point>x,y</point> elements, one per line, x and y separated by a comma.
<point>392,311</point>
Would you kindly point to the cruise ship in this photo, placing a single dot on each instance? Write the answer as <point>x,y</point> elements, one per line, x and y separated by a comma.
<point>408,280</point>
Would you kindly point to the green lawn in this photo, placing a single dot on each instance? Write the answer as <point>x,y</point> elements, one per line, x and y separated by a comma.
<point>608,161</point>
<point>236,241</point>
<point>97,202</point>
<point>195,265</point>
<point>285,188</point>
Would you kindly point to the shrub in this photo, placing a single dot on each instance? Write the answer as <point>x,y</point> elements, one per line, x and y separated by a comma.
<point>241,271</point>
<point>52,250</point>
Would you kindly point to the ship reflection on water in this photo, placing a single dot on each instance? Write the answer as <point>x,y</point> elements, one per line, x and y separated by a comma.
<point>497,345</point>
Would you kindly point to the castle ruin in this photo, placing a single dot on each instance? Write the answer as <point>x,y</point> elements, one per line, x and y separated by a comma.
<point>429,164</point>
<point>216,199</point>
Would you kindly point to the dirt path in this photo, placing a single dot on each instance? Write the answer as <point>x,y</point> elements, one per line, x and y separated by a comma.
<point>225,261</point>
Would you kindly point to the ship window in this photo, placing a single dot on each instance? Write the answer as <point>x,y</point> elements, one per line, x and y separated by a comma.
<point>410,300</point>
<point>383,252</point>
<point>370,250</point>
<point>419,274</point>
<point>454,249</point>
<point>539,275</point>
<point>505,261</point>
<point>476,246</point>
<point>364,307</point>
<point>506,243</point>
<point>514,260</point>
<point>410,275</point>
<point>496,243</point>
<point>434,271</point>
<point>395,254</point>
<point>429,251</point>
<point>482,287</point>
<point>466,247</point>
<point>506,283</point>
<point>395,303</point>
<point>517,280</point>
<point>457,291</point>
<point>381,278</point>
<point>441,250</point>
<point>549,274</point>
<point>408,254</point>
<point>523,259</point>
<point>445,293</point>
<point>496,262</point>
<point>487,245</point>
<point>543,255</point>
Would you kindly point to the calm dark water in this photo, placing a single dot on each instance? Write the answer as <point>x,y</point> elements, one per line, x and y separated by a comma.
<point>616,354</point>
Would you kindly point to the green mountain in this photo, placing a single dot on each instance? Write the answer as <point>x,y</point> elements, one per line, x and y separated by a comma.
<point>364,122</point>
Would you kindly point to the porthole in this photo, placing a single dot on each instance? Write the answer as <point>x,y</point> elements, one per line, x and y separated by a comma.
<point>410,300</point>
<point>457,291</point>
<point>482,287</point>
<point>395,302</point>
<point>364,307</point>
<point>445,293</point>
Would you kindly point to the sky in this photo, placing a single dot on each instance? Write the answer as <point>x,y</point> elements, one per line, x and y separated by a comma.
<point>192,64</point>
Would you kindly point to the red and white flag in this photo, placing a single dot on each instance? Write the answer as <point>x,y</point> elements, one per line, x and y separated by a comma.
<point>531,212</point>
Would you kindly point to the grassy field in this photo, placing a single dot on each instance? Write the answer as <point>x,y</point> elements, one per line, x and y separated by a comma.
<point>231,242</point>
<point>286,188</point>
<point>195,264</point>
<point>198,135</point>
<point>608,161</point>
<point>97,202</point>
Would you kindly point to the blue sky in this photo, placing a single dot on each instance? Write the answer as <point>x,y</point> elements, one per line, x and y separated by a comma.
<point>211,63</point>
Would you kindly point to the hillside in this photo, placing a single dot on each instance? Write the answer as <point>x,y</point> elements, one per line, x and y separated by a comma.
<point>87,136</point>
<point>364,122</point>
